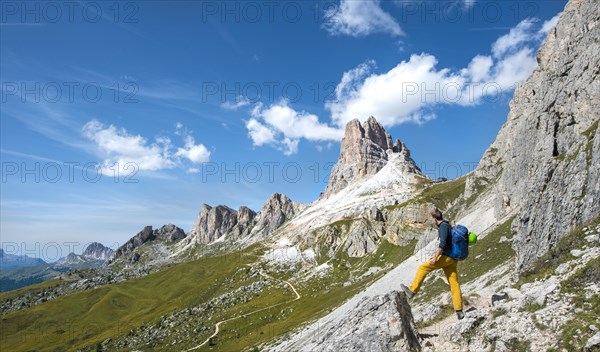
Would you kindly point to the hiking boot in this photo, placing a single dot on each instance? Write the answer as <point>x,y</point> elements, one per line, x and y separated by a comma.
<point>459,314</point>
<point>406,290</point>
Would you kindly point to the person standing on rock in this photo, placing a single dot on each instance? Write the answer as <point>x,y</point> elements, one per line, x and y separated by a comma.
<point>440,260</point>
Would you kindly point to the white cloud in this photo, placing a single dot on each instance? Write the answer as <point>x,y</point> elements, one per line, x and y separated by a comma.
<point>119,147</point>
<point>239,102</point>
<point>514,68</point>
<point>360,18</point>
<point>259,133</point>
<point>511,41</point>
<point>548,25</point>
<point>479,68</point>
<point>283,127</point>
<point>196,153</point>
<point>409,91</point>
<point>395,96</point>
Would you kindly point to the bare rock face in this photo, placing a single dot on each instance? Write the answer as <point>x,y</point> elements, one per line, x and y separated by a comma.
<point>544,162</point>
<point>97,251</point>
<point>364,152</point>
<point>245,215</point>
<point>142,237</point>
<point>170,232</point>
<point>72,259</point>
<point>213,223</point>
<point>276,210</point>
<point>377,324</point>
<point>362,239</point>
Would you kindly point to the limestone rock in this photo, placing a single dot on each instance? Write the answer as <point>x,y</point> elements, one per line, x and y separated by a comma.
<point>221,221</point>
<point>544,162</point>
<point>213,223</point>
<point>593,342</point>
<point>276,210</point>
<point>377,324</point>
<point>97,251</point>
<point>364,151</point>
<point>170,232</point>
<point>142,237</point>
<point>245,215</point>
<point>72,259</point>
<point>362,239</point>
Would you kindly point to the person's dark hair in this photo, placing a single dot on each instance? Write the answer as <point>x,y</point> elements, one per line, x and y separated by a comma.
<point>437,214</point>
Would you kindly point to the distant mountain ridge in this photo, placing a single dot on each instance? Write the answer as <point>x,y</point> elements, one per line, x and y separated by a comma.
<point>94,252</point>
<point>11,261</point>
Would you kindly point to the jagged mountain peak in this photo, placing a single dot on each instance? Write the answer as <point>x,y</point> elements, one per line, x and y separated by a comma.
<point>169,233</point>
<point>215,224</point>
<point>364,151</point>
<point>97,251</point>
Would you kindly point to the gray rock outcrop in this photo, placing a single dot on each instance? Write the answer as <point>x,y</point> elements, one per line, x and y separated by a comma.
<point>136,241</point>
<point>214,223</point>
<point>170,232</point>
<point>167,233</point>
<point>364,151</point>
<point>72,259</point>
<point>377,324</point>
<point>544,162</point>
<point>97,251</point>
<point>277,209</point>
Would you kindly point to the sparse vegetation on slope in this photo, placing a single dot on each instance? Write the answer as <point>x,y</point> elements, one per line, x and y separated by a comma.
<point>88,317</point>
<point>547,264</point>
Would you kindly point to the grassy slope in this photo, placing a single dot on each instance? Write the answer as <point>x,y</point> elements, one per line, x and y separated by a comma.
<point>438,194</point>
<point>87,317</point>
<point>547,264</point>
<point>31,288</point>
<point>319,297</point>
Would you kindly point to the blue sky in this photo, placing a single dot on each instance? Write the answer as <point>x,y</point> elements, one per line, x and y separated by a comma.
<point>192,102</point>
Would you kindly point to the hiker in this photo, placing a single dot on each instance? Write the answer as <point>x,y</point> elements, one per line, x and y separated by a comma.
<point>440,260</point>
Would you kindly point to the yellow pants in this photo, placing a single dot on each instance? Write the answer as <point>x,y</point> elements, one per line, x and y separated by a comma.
<point>449,266</point>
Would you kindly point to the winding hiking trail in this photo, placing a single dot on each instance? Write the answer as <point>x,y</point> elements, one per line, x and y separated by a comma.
<point>218,324</point>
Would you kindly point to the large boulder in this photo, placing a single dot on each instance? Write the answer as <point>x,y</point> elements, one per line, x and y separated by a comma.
<point>377,324</point>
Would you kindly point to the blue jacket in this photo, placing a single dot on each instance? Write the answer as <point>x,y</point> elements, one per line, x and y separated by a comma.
<point>445,236</point>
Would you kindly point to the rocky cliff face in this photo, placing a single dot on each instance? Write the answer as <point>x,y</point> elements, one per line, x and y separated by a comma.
<point>213,223</point>
<point>276,210</point>
<point>544,162</point>
<point>97,251</point>
<point>219,222</point>
<point>168,233</point>
<point>364,152</point>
